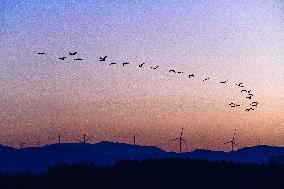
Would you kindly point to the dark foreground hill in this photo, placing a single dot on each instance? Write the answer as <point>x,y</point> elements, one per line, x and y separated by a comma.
<point>164,174</point>
<point>38,160</point>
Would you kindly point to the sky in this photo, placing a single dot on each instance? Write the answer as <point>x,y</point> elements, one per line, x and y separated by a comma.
<point>236,41</point>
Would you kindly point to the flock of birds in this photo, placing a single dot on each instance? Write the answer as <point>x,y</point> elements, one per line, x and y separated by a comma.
<point>248,93</point>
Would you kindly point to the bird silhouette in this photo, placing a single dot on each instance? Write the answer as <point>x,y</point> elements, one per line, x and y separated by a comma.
<point>205,79</point>
<point>154,67</point>
<point>112,63</point>
<point>74,53</point>
<point>254,104</point>
<point>249,109</point>
<point>244,90</point>
<point>240,85</point>
<point>223,81</point>
<point>125,63</point>
<point>172,71</point>
<point>41,53</point>
<point>103,59</point>
<point>78,59</point>
<point>234,105</point>
<point>191,75</point>
<point>140,65</point>
<point>179,72</point>
<point>63,58</point>
<point>250,95</point>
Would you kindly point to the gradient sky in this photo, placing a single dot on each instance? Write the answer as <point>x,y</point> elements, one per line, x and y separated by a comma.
<point>234,40</point>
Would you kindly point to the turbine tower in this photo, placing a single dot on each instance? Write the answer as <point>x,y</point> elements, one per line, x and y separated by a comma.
<point>180,139</point>
<point>134,139</point>
<point>59,139</point>
<point>85,139</point>
<point>233,143</point>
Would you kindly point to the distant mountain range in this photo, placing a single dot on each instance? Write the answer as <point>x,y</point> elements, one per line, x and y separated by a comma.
<point>38,160</point>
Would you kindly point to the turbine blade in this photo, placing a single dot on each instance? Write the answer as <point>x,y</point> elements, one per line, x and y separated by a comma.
<point>77,140</point>
<point>89,138</point>
<point>174,139</point>
<point>227,142</point>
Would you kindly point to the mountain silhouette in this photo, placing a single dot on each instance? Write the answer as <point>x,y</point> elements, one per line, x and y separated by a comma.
<point>39,159</point>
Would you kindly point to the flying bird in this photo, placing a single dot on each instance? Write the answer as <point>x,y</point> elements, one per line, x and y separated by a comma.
<point>240,85</point>
<point>234,105</point>
<point>179,72</point>
<point>63,58</point>
<point>140,65</point>
<point>254,104</point>
<point>250,95</point>
<point>112,63</point>
<point>78,59</point>
<point>103,59</point>
<point>244,90</point>
<point>125,63</point>
<point>205,79</point>
<point>172,71</point>
<point>223,81</point>
<point>248,109</point>
<point>74,53</point>
<point>191,75</point>
<point>41,53</point>
<point>154,67</point>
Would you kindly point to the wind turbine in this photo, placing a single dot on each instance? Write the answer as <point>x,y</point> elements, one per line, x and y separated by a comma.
<point>85,139</point>
<point>232,141</point>
<point>180,139</point>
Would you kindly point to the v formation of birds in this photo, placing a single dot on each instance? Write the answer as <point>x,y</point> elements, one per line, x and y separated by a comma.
<point>241,86</point>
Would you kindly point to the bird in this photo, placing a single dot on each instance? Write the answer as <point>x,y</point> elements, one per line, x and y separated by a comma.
<point>125,63</point>
<point>41,53</point>
<point>78,59</point>
<point>205,79</point>
<point>244,90</point>
<point>172,71</point>
<point>234,105</point>
<point>140,65</point>
<point>254,104</point>
<point>103,59</point>
<point>191,75</point>
<point>248,109</point>
<point>179,72</point>
<point>74,53</point>
<point>112,63</point>
<point>63,58</point>
<point>250,95</point>
<point>154,67</point>
<point>240,85</point>
<point>223,81</point>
